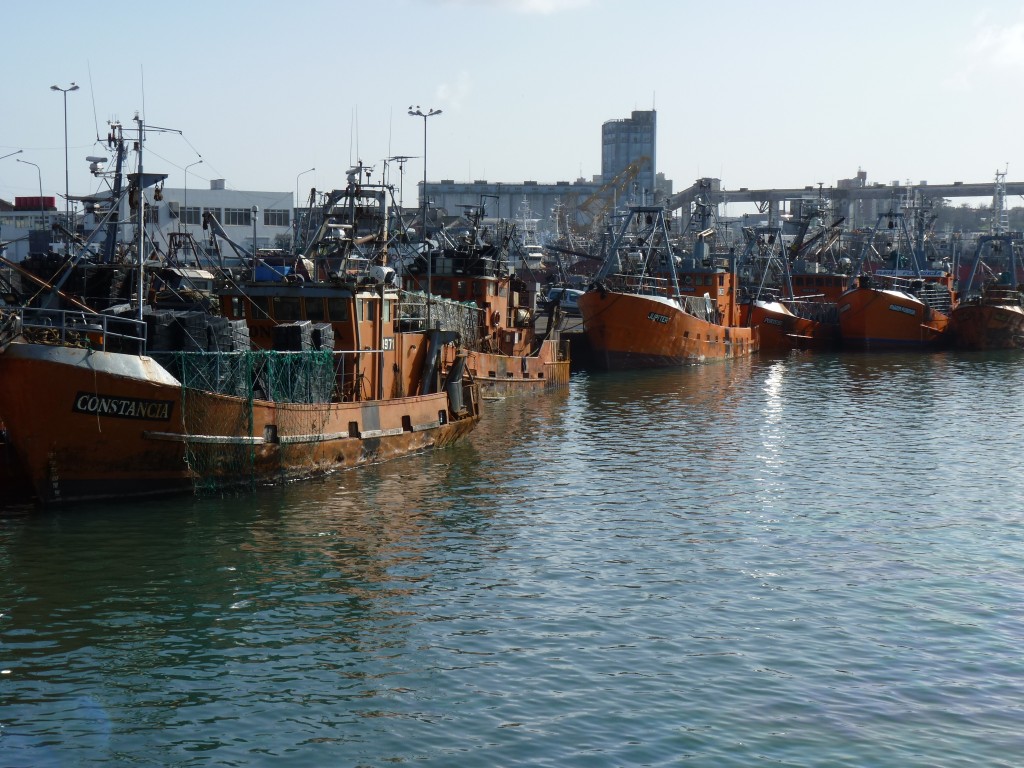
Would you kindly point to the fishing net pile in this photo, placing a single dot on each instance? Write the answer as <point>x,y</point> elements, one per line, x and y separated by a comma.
<point>212,358</point>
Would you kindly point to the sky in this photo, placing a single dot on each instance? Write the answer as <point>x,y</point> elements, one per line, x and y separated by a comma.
<point>759,94</point>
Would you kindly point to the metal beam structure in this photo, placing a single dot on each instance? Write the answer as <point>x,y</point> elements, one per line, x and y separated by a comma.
<point>771,200</point>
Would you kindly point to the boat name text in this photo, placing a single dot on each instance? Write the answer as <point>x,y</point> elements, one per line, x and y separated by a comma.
<point>904,310</point>
<point>657,318</point>
<point>123,407</point>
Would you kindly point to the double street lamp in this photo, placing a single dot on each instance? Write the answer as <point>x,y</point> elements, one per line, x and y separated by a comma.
<point>67,188</point>
<point>417,112</point>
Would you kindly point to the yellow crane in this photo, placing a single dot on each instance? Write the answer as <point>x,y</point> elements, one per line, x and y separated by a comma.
<point>597,205</point>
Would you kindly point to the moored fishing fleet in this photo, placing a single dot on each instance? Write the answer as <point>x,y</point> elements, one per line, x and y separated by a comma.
<point>375,337</point>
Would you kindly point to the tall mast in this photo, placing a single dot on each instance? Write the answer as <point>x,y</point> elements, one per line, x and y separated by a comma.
<point>141,232</point>
<point>116,141</point>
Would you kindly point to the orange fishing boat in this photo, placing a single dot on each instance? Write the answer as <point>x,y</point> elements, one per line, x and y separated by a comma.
<point>505,353</point>
<point>992,320</point>
<point>298,376</point>
<point>90,415</point>
<point>780,328</point>
<point>769,304</point>
<point>899,308</point>
<point>991,317</point>
<point>889,315</point>
<point>648,308</point>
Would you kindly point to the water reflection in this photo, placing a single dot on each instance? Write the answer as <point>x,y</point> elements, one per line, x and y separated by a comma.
<point>587,577</point>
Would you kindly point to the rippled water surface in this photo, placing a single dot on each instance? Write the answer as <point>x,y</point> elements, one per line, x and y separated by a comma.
<point>799,561</point>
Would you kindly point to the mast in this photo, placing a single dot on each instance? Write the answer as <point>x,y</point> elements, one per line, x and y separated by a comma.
<point>141,227</point>
<point>116,141</point>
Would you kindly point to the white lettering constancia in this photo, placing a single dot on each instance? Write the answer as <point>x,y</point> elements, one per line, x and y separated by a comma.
<point>122,407</point>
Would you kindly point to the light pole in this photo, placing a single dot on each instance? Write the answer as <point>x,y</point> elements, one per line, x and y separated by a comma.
<point>255,210</point>
<point>185,204</point>
<point>417,112</point>
<point>295,215</point>
<point>12,154</point>
<point>42,224</point>
<point>67,188</point>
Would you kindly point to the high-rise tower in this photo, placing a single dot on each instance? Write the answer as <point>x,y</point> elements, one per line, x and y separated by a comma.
<point>628,149</point>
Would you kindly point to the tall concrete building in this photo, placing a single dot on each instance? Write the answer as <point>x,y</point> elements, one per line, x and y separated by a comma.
<point>629,153</point>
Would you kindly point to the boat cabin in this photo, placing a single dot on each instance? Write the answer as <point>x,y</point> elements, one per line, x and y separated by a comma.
<point>359,325</point>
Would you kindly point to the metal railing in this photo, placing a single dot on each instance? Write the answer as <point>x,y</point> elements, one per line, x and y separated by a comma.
<point>78,328</point>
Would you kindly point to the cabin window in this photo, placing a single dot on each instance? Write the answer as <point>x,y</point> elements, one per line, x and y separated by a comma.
<point>366,309</point>
<point>721,279</point>
<point>337,309</point>
<point>315,309</point>
<point>287,309</point>
<point>385,309</point>
<point>460,290</point>
<point>260,308</point>
<point>798,281</point>
<point>819,282</point>
<point>237,307</point>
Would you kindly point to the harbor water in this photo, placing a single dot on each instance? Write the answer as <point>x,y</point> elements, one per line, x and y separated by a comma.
<point>810,560</point>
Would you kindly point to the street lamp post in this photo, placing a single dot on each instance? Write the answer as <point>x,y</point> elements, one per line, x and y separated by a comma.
<point>12,154</point>
<point>42,224</point>
<point>295,214</point>
<point>417,112</point>
<point>255,210</point>
<point>185,203</point>
<point>67,188</point>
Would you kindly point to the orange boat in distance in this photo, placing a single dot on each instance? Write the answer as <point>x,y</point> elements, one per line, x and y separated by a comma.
<point>505,353</point>
<point>899,308</point>
<point>991,317</point>
<point>779,328</point>
<point>649,308</point>
<point>769,302</point>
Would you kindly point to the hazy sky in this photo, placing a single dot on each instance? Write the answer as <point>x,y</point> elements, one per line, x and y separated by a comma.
<point>759,94</point>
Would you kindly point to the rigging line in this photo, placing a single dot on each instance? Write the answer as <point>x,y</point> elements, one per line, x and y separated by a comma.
<point>92,94</point>
<point>179,167</point>
<point>198,153</point>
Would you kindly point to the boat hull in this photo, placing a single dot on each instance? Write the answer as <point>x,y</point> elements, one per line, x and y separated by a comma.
<point>877,318</point>
<point>987,326</point>
<point>501,375</point>
<point>84,425</point>
<point>780,330</point>
<point>628,331</point>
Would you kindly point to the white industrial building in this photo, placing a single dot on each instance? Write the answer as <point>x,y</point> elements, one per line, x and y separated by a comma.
<point>246,215</point>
